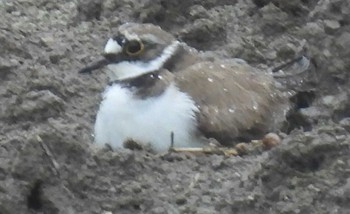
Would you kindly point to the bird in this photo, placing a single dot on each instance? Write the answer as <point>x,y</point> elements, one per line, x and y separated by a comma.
<point>161,87</point>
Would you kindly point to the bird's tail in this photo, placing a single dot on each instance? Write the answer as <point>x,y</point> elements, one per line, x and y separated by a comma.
<point>291,68</point>
<point>298,74</point>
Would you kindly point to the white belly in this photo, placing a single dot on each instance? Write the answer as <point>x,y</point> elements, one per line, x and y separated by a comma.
<point>150,121</point>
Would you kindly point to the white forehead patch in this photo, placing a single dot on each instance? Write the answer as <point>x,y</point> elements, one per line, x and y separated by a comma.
<point>131,69</point>
<point>112,47</point>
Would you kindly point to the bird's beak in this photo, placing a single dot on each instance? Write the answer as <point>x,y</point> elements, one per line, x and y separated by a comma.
<point>108,59</point>
<point>112,55</point>
<point>94,66</point>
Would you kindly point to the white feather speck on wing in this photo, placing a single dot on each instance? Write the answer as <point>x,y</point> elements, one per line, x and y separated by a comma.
<point>231,110</point>
<point>255,105</point>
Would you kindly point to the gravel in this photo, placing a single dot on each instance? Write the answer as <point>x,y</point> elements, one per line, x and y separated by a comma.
<point>48,163</point>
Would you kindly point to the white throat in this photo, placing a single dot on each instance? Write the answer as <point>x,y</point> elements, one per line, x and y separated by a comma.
<point>130,69</point>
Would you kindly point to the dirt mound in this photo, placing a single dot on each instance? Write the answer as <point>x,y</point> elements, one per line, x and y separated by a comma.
<point>49,165</point>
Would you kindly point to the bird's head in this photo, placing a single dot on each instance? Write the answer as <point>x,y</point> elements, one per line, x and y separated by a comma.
<point>136,49</point>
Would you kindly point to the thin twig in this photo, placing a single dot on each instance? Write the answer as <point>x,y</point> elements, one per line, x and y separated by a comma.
<point>172,140</point>
<point>171,147</point>
<point>208,150</point>
<point>48,153</point>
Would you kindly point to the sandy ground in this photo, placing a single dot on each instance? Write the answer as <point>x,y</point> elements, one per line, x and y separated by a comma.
<point>49,165</point>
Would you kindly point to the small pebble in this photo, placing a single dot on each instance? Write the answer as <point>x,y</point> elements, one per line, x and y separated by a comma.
<point>241,148</point>
<point>271,140</point>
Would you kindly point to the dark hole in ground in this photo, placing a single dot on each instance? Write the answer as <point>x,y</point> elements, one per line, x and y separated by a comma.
<point>34,200</point>
<point>344,22</point>
<point>137,206</point>
<point>159,18</point>
<point>164,4</point>
<point>307,164</point>
<point>341,80</point>
<point>341,114</point>
<point>303,99</point>
<point>304,162</point>
<point>295,120</point>
<point>260,3</point>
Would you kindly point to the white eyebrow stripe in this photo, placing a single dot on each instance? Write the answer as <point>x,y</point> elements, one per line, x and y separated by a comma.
<point>152,38</point>
<point>131,36</point>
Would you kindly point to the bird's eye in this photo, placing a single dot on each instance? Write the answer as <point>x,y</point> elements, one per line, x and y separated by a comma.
<point>134,48</point>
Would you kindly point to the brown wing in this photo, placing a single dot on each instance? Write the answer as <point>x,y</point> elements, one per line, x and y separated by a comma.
<point>234,101</point>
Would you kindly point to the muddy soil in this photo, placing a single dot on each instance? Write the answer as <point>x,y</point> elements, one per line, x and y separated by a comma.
<point>48,163</point>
